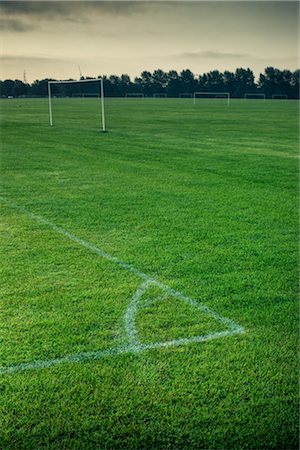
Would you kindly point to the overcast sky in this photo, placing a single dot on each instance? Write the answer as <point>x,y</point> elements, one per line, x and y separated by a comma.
<point>51,39</point>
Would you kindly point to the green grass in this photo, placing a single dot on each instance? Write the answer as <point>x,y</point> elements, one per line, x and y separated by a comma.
<point>201,198</point>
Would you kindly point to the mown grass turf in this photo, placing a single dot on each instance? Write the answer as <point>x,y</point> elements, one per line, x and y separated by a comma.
<point>202,198</point>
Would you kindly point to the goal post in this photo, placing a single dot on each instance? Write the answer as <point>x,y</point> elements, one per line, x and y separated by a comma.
<point>212,95</point>
<point>249,96</point>
<point>95,80</point>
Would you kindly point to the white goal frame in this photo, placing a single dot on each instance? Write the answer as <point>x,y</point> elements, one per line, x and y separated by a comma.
<point>225,95</point>
<point>95,80</point>
<point>279,97</point>
<point>134,95</point>
<point>258,96</point>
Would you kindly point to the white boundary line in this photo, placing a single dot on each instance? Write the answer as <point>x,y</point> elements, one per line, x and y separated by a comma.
<point>134,345</point>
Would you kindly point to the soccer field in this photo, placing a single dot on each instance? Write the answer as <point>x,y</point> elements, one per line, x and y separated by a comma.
<point>149,274</point>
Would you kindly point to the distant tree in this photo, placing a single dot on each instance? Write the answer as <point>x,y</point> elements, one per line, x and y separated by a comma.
<point>125,84</point>
<point>39,88</point>
<point>272,81</point>
<point>144,83</point>
<point>188,81</point>
<point>160,81</point>
<point>203,83</point>
<point>269,81</point>
<point>7,88</point>
<point>294,84</point>
<point>174,84</point>
<point>229,82</point>
<point>276,81</point>
<point>285,83</point>
<point>125,79</point>
<point>215,81</point>
<point>20,88</point>
<point>113,86</point>
<point>244,82</point>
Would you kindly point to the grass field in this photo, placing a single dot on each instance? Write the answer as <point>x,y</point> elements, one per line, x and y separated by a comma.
<point>149,275</point>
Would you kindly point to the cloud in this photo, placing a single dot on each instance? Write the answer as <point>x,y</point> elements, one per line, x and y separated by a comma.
<point>24,16</point>
<point>15,25</point>
<point>211,55</point>
<point>68,9</point>
<point>29,59</point>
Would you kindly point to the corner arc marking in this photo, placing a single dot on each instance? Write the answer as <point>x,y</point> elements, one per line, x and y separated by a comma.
<point>129,318</point>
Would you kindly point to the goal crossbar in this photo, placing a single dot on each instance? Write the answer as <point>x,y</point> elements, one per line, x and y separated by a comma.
<point>225,95</point>
<point>96,80</point>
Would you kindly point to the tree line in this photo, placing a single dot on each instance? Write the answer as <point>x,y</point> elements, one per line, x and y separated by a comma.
<point>171,84</point>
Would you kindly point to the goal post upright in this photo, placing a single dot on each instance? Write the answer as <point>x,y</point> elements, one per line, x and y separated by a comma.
<point>102,104</point>
<point>100,80</point>
<point>50,103</point>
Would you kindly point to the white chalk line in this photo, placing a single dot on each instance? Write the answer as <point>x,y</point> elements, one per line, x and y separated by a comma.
<point>129,317</point>
<point>134,345</point>
<point>90,356</point>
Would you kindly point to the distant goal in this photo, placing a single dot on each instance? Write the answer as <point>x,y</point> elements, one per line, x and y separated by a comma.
<point>159,95</point>
<point>212,95</point>
<point>279,97</point>
<point>64,86</point>
<point>250,96</point>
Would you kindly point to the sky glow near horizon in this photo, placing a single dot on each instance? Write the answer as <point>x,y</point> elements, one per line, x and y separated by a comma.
<point>51,39</point>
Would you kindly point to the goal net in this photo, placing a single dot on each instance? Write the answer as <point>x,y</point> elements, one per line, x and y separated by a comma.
<point>250,96</point>
<point>70,90</point>
<point>212,95</point>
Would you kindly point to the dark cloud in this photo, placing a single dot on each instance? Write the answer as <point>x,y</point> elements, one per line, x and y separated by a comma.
<point>22,16</point>
<point>212,55</point>
<point>15,25</point>
<point>69,9</point>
